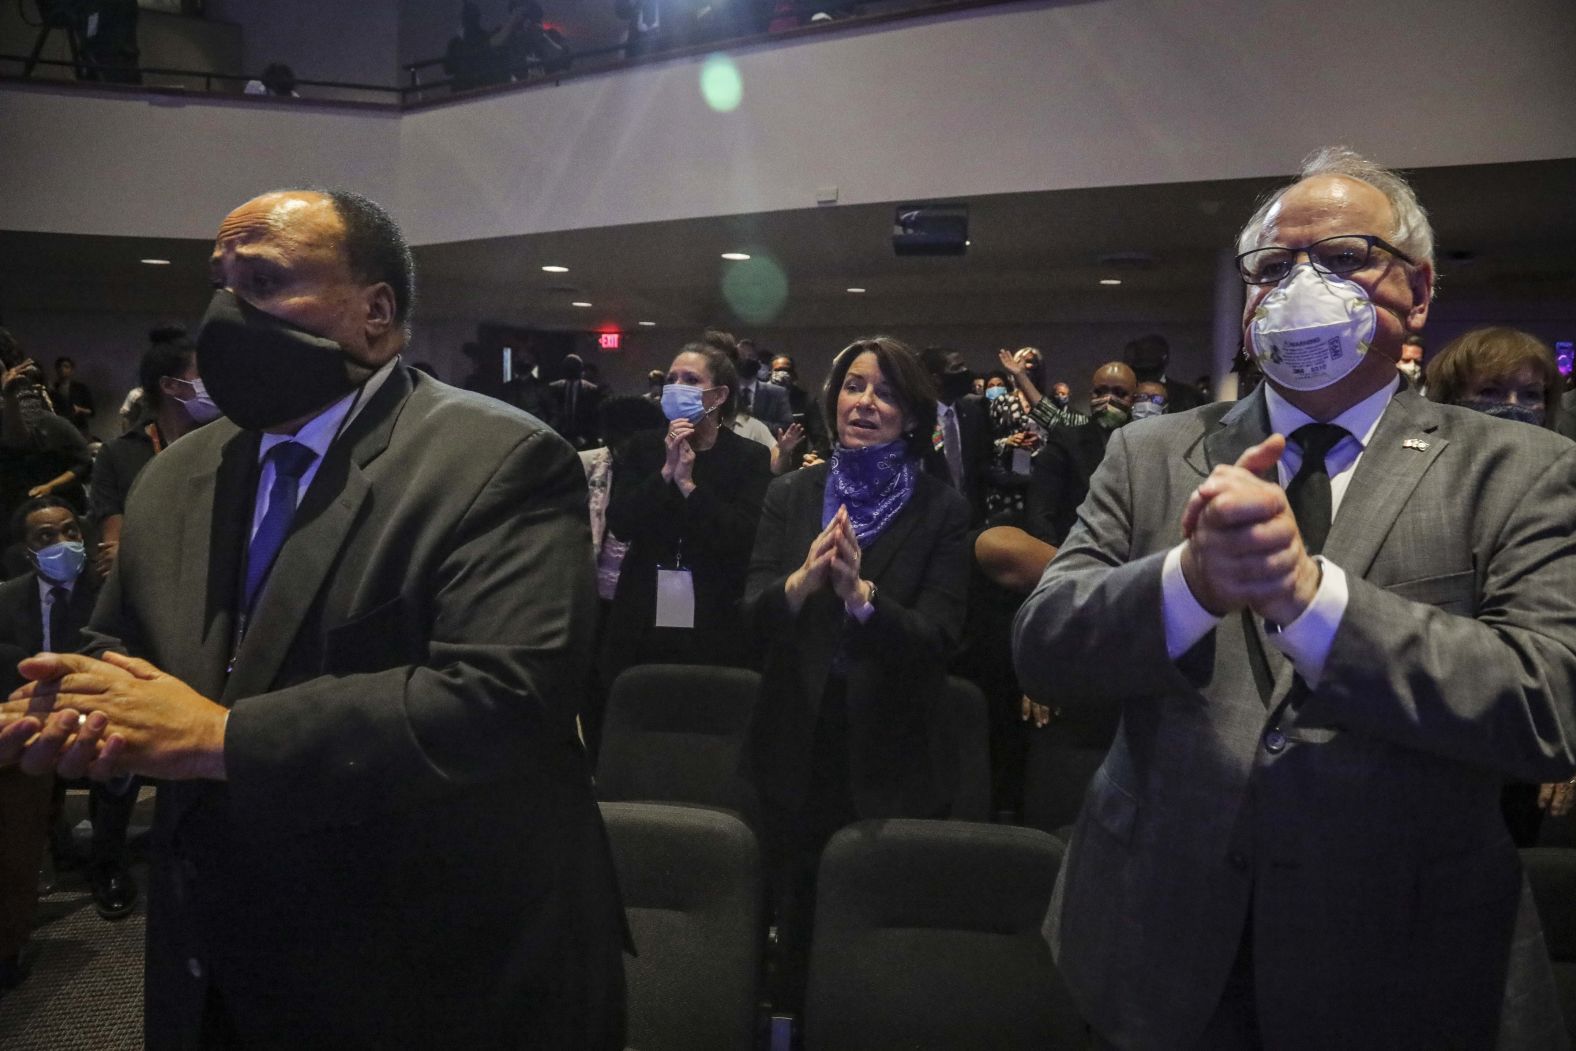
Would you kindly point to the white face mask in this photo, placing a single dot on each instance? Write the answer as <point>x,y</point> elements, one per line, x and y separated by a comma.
<point>1142,410</point>
<point>1313,329</point>
<point>1412,371</point>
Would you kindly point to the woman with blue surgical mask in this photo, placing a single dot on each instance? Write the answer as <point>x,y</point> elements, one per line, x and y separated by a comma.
<point>687,501</point>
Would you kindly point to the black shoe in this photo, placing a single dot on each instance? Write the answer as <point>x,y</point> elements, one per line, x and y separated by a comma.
<point>14,968</point>
<point>114,893</point>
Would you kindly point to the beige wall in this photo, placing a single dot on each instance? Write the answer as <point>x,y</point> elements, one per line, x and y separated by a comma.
<point>1024,97</point>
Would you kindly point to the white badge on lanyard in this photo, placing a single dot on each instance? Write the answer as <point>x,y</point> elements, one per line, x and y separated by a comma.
<point>675,598</point>
<point>1020,461</point>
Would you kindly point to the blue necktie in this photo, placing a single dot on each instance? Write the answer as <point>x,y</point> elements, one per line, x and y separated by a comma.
<point>290,459</point>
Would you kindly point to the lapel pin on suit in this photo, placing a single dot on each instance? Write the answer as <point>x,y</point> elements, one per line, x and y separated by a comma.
<point>1415,444</point>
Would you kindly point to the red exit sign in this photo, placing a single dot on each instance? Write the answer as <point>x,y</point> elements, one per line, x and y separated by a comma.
<point>609,340</point>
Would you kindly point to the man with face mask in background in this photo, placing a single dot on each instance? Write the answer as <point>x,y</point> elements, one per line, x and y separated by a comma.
<point>758,395</point>
<point>1369,623</point>
<point>1060,477</point>
<point>1151,400</point>
<point>356,657</point>
<point>47,606</point>
<point>962,428</point>
<point>1411,363</point>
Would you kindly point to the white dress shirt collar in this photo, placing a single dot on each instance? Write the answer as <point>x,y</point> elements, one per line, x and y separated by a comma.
<point>1360,420</point>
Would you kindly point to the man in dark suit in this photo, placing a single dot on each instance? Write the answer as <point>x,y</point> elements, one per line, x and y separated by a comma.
<point>758,396</point>
<point>1059,476</point>
<point>1334,618</point>
<point>1148,357</point>
<point>575,400</point>
<point>356,657</point>
<point>962,428</point>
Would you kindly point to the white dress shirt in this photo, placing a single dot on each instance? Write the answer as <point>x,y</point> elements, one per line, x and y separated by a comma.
<point>316,434</point>
<point>1305,641</point>
<point>46,605</point>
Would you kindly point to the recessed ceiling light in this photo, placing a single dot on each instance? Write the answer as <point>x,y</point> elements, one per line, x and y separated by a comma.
<point>967,244</point>
<point>856,290</point>
<point>552,269</point>
<point>648,324</point>
<point>579,303</point>
<point>737,257</point>
<point>155,262</point>
<point>1110,280</point>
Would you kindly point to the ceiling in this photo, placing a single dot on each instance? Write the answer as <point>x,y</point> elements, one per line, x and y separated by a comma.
<point>1506,237</point>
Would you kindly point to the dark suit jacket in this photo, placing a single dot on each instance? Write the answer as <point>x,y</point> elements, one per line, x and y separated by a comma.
<point>769,404</point>
<point>406,852</point>
<point>710,532</point>
<point>896,661</point>
<point>1059,478</point>
<point>1364,834</point>
<point>978,454</point>
<point>21,613</point>
<point>578,423</point>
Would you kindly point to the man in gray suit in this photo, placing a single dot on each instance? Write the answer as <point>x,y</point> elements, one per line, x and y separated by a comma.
<point>348,628</point>
<point>1328,653</point>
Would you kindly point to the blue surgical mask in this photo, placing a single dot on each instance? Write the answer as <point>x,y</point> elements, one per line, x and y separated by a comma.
<point>992,393</point>
<point>199,407</point>
<point>680,401</point>
<point>61,563</point>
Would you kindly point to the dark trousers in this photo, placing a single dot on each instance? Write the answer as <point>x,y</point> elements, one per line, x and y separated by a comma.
<point>1235,1024</point>
<point>24,829</point>
<point>795,839</point>
<point>109,810</point>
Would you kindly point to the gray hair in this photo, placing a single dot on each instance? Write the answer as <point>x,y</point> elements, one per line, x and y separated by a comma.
<point>1412,233</point>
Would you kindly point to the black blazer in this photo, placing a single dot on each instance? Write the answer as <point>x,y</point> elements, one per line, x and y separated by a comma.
<point>407,851</point>
<point>896,661</point>
<point>710,532</point>
<point>1059,478</point>
<point>978,453</point>
<point>21,613</point>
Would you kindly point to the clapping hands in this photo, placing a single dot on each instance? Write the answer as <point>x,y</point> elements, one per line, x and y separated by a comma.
<point>833,559</point>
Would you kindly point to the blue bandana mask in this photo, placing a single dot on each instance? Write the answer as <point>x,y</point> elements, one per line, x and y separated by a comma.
<point>992,393</point>
<point>874,482</point>
<point>61,563</point>
<point>680,401</point>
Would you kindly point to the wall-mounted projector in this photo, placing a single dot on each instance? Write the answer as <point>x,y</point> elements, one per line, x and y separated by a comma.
<point>931,229</point>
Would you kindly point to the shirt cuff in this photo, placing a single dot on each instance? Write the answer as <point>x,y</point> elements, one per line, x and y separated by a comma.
<point>1186,620</point>
<point>1306,641</point>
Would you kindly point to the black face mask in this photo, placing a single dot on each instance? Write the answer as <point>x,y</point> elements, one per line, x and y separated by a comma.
<point>262,371</point>
<point>749,369</point>
<point>955,385</point>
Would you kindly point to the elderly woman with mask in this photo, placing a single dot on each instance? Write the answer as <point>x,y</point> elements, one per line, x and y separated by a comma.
<point>858,580</point>
<point>1510,374</point>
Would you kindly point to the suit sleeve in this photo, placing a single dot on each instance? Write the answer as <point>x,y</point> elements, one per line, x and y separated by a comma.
<point>1094,599</point>
<point>1495,690</point>
<point>1047,477</point>
<point>506,651</point>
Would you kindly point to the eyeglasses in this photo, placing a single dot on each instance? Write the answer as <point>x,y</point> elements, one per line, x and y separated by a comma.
<point>1343,254</point>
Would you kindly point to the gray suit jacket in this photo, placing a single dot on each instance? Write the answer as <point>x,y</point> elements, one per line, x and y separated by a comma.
<point>1388,906</point>
<point>769,404</point>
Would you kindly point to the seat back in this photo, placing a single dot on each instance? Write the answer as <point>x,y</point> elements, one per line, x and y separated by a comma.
<point>691,882</point>
<point>927,934</point>
<point>676,733</point>
<point>967,728</point>
<point>1551,873</point>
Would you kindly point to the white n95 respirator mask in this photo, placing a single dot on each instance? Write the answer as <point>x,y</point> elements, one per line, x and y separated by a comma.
<point>1313,329</point>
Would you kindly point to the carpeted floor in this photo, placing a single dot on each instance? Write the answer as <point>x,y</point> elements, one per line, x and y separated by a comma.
<point>85,990</point>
